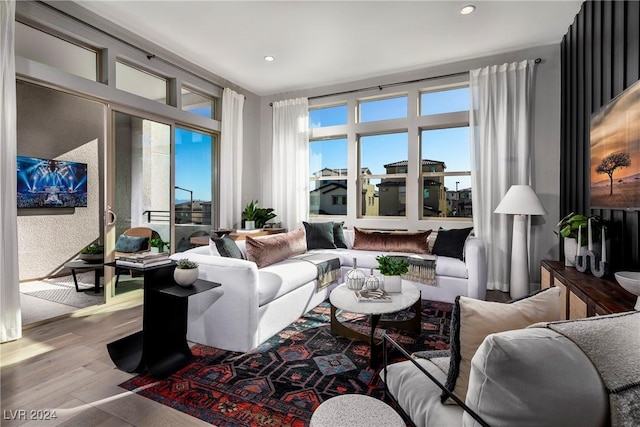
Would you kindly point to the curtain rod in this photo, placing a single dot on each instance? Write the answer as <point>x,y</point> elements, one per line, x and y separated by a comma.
<point>149,56</point>
<point>380,87</point>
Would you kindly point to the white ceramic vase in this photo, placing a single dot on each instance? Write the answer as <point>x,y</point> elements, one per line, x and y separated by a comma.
<point>392,284</point>
<point>185,276</point>
<point>249,225</point>
<point>570,247</point>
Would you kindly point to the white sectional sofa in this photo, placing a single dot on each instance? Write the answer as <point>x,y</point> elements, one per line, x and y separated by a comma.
<point>255,303</point>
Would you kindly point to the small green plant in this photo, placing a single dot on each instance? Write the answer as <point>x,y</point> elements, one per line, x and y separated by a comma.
<point>93,249</point>
<point>259,215</point>
<point>392,266</point>
<point>186,264</point>
<point>158,243</point>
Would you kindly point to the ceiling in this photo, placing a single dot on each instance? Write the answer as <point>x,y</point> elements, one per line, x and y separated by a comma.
<point>318,43</point>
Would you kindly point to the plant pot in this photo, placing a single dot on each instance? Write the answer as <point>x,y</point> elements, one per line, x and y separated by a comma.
<point>185,276</point>
<point>392,284</point>
<point>91,258</point>
<point>155,250</point>
<point>249,225</point>
<point>570,247</point>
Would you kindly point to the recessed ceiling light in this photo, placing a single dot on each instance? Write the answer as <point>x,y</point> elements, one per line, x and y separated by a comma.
<point>269,58</point>
<point>467,9</point>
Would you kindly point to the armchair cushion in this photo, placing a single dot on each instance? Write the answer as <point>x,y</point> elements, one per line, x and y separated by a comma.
<point>535,377</point>
<point>472,320</point>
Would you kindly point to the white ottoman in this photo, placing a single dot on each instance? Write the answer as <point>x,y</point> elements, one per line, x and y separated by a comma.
<point>355,410</point>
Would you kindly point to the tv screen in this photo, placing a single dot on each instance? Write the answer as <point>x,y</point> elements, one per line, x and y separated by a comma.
<point>615,152</point>
<point>47,183</point>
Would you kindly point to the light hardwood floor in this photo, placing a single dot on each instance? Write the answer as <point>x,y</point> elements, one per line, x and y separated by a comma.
<point>63,367</point>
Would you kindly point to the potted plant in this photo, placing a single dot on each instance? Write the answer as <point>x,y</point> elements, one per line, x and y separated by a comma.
<point>157,244</point>
<point>94,253</point>
<point>186,272</point>
<point>391,268</point>
<point>569,227</point>
<point>256,217</point>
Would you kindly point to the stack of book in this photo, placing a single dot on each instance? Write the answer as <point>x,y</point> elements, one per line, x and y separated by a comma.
<point>144,260</point>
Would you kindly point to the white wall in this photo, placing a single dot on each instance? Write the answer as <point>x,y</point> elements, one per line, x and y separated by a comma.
<point>546,146</point>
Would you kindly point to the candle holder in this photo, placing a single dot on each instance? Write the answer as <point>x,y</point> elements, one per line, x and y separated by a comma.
<point>582,263</point>
<point>602,270</point>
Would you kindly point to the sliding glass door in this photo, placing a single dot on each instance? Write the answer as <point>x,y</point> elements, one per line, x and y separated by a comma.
<point>139,186</point>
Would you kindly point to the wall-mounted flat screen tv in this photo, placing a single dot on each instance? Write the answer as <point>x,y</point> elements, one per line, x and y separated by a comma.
<point>615,152</point>
<point>48,183</point>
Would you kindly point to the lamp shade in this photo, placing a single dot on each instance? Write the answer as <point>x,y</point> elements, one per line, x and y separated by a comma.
<point>520,200</point>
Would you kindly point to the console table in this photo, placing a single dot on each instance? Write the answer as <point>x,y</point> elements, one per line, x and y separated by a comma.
<point>584,294</point>
<point>161,346</point>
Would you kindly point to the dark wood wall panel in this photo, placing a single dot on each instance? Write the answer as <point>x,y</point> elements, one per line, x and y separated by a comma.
<point>600,56</point>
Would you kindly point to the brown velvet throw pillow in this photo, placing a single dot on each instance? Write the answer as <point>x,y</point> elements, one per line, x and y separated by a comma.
<point>415,243</point>
<point>276,248</point>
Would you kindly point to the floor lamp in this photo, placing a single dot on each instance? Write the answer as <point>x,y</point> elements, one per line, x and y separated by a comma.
<point>520,201</point>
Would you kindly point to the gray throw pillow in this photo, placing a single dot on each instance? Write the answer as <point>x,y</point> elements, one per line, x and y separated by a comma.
<point>227,247</point>
<point>319,235</point>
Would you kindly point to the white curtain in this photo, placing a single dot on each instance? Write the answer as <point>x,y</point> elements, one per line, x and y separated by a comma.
<point>231,159</point>
<point>290,162</point>
<point>10,317</point>
<point>501,134</point>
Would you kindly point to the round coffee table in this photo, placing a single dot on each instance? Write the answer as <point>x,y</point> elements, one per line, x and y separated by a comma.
<point>343,298</point>
<point>78,264</point>
<point>355,410</point>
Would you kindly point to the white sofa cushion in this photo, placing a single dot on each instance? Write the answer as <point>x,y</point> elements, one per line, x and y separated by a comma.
<point>535,377</point>
<point>418,396</point>
<point>281,278</point>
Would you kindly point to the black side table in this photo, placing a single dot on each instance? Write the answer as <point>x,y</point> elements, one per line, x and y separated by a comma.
<point>161,346</point>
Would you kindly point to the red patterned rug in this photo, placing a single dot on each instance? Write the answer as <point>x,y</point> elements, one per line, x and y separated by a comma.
<point>284,380</point>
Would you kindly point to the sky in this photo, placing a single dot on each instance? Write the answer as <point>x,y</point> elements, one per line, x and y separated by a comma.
<point>193,165</point>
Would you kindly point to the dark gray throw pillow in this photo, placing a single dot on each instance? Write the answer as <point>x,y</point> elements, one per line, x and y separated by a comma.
<point>338,235</point>
<point>319,235</point>
<point>227,247</point>
<point>451,242</point>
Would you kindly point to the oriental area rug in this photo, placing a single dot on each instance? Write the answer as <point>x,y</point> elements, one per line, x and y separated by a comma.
<point>284,380</point>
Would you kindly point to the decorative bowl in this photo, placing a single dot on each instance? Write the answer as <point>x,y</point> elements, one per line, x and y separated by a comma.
<point>630,280</point>
<point>91,258</point>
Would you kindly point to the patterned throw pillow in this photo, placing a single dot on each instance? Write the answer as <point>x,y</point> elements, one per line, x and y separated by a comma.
<point>130,244</point>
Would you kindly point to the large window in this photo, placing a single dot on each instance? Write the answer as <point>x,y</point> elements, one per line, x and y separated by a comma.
<point>328,181</point>
<point>403,156</point>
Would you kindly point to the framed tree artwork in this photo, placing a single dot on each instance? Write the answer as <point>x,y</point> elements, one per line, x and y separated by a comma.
<point>615,152</point>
